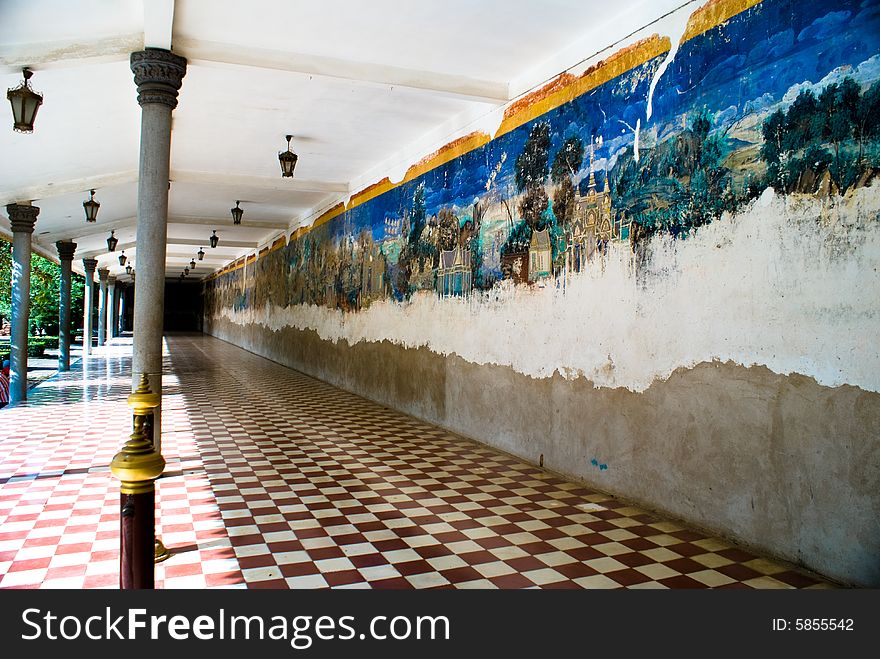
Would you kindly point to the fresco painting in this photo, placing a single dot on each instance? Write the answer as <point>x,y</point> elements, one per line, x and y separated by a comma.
<point>783,96</point>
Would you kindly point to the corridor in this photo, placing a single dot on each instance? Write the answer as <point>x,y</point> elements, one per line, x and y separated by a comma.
<point>277,480</point>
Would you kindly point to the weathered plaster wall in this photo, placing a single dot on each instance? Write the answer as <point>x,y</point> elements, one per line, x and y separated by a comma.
<point>777,462</point>
<point>714,354</point>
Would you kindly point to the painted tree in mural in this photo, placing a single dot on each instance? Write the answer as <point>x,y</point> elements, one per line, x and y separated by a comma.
<point>531,173</point>
<point>475,244</point>
<point>447,226</point>
<point>565,165</point>
<point>822,143</point>
<point>418,254</point>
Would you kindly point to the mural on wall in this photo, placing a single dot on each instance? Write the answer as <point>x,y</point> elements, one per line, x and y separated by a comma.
<point>784,96</point>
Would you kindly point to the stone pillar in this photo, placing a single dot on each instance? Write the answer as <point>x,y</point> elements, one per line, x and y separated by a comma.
<point>88,305</point>
<point>114,307</point>
<point>103,273</point>
<point>158,74</point>
<point>65,256</point>
<point>22,218</point>
<point>120,320</point>
<point>111,307</point>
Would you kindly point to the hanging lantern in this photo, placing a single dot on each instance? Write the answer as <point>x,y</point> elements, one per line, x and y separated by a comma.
<point>25,103</point>
<point>186,271</point>
<point>112,242</point>
<point>91,206</point>
<point>128,269</point>
<point>192,264</point>
<point>201,254</point>
<point>122,258</point>
<point>237,213</point>
<point>214,239</point>
<point>287,160</point>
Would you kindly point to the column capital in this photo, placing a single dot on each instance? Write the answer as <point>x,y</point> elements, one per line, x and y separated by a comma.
<point>65,250</point>
<point>111,280</point>
<point>90,265</point>
<point>103,273</point>
<point>22,217</point>
<point>158,74</point>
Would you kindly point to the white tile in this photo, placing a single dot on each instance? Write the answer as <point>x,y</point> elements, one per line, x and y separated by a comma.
<point>307,581</point>
<point>427,580</point>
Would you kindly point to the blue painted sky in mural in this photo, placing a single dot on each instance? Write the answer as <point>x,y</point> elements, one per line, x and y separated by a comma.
<point>745,65</point>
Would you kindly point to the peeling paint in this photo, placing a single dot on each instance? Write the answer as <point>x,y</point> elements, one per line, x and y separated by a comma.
<point>794,289</point>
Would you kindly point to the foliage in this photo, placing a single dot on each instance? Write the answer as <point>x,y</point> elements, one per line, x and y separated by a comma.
<point>531,172</point>
<point>45,283</point>
<point>568,160</point>
<point>448,229</point>
<point>797,140</point>
<point>518,240</point>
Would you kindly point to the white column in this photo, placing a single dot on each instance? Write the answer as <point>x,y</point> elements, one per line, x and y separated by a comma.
<point>111,307</point>
<point>89,305</point>
<point>22,218</point>
<point>103,273</point>
<point>65,257</point>
<point>158,75</point>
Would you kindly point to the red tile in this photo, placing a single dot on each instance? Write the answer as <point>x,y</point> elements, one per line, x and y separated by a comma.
<point>433,551</point>
<point>394,583</point>
<point>30,564</point>
<point>511,581</point>
<point>368,560</point>
<point>343,577</point>
<point>183,570</point>
<point>299,569</point>
<point>260,560</point>
<point>681,581</point>
<point>461,574</point>
<point>66,571</point>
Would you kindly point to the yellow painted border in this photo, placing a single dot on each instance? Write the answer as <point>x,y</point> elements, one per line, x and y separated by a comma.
<point>560,90</point>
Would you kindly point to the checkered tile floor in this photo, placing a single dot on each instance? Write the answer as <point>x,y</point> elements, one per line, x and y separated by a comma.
<point>277,480</point>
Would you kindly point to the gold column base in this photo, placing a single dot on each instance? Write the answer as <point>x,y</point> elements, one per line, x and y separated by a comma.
<point>162,554</point>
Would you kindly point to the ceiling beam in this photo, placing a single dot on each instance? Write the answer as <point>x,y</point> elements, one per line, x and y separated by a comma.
<point>55,188</point>
<point>238,244</point>
<point>472,89</point>
<point>226,222</point>
<point>259,182</point>
<point>82,231</point>
<point>61,54</point>
<point>158,19</point>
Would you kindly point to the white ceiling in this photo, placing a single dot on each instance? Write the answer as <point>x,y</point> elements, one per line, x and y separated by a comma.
<point>365,88</point>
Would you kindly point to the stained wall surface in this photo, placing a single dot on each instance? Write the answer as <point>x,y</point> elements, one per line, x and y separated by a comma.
<point>660,276</point>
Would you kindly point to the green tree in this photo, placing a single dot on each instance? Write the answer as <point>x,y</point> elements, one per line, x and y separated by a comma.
<point>45,283</point>
<point>531,171</point>
<point>447,229</point>
<point>565,165</point>
<point>5,281</point>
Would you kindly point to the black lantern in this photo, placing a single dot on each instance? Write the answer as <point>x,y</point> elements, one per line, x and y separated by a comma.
<point>25,103</point>
<point>287,160</point>
<point>91,207</point>
<point>112,242</point>
<point>237,213</point>
<point>128,268</point>
<point>123,258</point>
<point>201,254</point>
<point>214,239</point>
<point>192,264</point>
<point>186,271</point>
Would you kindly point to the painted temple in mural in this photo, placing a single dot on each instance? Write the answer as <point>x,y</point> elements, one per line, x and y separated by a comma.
<point>782,95</point>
